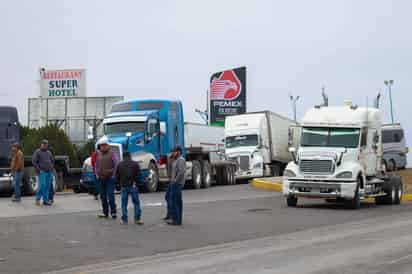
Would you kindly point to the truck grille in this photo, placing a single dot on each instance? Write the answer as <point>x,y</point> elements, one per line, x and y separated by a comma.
<point>316,166</point>
<point>244,162</point>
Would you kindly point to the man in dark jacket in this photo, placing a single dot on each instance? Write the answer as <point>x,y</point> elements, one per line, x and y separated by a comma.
<point>17,167</point>
<point>43,162</point>
<point>128,174</point>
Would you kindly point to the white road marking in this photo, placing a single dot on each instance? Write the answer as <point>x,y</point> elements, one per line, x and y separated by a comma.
<point>400,259</point>
<point>153,204</point>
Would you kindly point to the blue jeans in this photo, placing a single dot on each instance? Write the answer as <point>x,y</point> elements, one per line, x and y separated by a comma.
<point>176,203</point>
<point>107,196</point>
<point>45,180</point>
<point>168,202</point>
<point>18,176</point>
<point>132,191</point>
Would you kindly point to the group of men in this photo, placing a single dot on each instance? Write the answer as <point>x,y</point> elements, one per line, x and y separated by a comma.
<point>43,163</point>
<point>108,169</point>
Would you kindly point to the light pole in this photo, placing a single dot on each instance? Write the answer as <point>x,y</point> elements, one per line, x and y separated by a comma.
<point>389,84</point>
<point>293,101</point>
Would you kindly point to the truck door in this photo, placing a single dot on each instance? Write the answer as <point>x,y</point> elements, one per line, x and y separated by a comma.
<point>368,154</point>
<point>153,137</point>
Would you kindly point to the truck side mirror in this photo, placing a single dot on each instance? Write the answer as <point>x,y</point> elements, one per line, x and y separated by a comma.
<point>407,150</point>
<point>292,150</point>
<point>162,128</point>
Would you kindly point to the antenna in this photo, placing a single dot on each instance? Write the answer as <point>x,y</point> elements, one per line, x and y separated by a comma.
<point>377,99</point>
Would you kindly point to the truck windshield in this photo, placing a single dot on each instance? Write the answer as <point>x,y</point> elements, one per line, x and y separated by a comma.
<point>242,141</point>
<point>124,127</point>
<point>330,137</point>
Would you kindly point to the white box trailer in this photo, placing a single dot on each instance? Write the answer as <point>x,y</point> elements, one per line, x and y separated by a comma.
<point>204,137</point>
<point>258,142</point>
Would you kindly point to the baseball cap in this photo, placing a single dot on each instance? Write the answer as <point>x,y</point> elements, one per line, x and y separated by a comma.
<point>44,141</point>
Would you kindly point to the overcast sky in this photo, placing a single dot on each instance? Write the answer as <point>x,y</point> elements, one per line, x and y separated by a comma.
<point>169,49</point>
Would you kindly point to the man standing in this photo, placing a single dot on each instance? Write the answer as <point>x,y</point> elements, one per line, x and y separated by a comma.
<point>94,160</point>
<point>17,167</point>
<point>106,164</point>
<point>170,160</point>
<point>177,183</point>
<point>43,162</point>
<point>128,174</point>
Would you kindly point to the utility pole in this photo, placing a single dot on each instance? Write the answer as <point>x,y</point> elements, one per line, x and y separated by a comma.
<point>293,101</point>
<point>389,84</point>
<point>325,97</point>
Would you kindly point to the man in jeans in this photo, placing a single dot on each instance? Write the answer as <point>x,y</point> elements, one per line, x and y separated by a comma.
<point>128,174</point>
<point>177,183</point>
<point>17,167</point>
<point>43,162</point>
<point>106,164</point>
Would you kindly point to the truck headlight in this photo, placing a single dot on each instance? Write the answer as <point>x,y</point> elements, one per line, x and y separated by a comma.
<point>289,173</point>
<point>344,175</point>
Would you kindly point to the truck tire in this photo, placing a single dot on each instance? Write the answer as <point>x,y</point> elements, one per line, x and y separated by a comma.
<point>355,202</point>
<point>391,165</point>
<point>206,174</point>
<point>30,181</point>
<point>292,201</point>
<point>233,174</point>
<point>196,175</point>
<point>390,190</point>
<point>398,190</point>
<point>275,170</point>
<point>152,180</point>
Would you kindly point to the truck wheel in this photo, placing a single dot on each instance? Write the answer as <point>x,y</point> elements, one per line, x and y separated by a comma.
<point>355,202</point>
<point>233,174</point>
<point>152,181</point>
<point>196,174</point>
<point>398,190</point>
<point>390,190</point>
<point>30,181</point>
<point>206,174</point>
<point>292,201</point>
<point>391,165</point>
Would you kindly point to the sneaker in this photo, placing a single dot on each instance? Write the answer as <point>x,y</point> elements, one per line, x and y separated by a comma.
<point>16,200</point>
<point>172,222</point>
<point>37,202</point>
<point>114,216</point>
<point>138,222</point>
<point>101,215</point>
<point>167,218</point>
<point>47,203</point>
<point>123,222</point>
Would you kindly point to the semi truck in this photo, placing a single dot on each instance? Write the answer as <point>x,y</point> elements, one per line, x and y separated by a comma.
<point>339,158</point>
<point>258,143</point>
<point>151,129</point>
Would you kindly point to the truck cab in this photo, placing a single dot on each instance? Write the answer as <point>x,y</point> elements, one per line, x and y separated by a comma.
<point>339,157</point>
<point>149,130</point>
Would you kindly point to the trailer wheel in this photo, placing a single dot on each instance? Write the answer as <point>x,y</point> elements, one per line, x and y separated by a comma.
<point>206,174</point>
<point>30,181</point>
<point>233,174</point>
<point>355,202</point>
<point>292,201</point>
<point>152,180</point>
<point>196,174</point>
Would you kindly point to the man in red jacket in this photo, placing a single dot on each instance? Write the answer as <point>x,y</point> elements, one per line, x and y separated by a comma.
<point>94,160</point>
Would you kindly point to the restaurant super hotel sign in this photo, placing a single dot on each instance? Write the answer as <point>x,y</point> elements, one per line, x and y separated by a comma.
<point>63,83</point>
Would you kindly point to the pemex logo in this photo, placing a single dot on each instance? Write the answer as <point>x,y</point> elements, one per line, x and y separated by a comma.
<point>226,87</point>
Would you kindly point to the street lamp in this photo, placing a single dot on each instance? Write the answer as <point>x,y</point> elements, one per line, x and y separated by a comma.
<point>389,84</point>
<point>293,101</point>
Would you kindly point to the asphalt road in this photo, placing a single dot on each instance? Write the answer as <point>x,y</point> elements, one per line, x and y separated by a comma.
<point>234,229</point>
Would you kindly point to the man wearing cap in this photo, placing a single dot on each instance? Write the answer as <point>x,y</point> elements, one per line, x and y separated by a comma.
<point>43,162</point>
<point>177,183</point>
<point>106,164</point>
<point>17,167</point>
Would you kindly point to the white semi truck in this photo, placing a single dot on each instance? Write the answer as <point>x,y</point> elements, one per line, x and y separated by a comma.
<point>258,143</point>
<point>340,158</point>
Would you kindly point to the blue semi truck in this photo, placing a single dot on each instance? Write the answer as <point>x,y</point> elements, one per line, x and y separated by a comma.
<point>150,129</point>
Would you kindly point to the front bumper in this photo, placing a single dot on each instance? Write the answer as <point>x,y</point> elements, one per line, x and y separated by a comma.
<point>320,189</point>
<point>249,174</point>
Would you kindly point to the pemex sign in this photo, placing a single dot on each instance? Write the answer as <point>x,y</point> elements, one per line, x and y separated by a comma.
<point>63,83</point>
<point>227,94</point>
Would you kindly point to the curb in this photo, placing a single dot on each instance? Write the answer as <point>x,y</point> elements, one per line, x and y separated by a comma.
<point>277,186</point>
<point>262,184</point>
